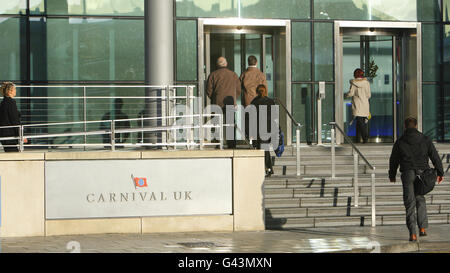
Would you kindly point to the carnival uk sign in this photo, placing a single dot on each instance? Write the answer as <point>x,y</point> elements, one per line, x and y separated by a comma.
<point>137,188</point>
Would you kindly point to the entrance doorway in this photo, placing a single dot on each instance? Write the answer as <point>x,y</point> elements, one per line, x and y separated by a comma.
<point>236,40</point>
<point>390,55</point>
<point>237,48</point>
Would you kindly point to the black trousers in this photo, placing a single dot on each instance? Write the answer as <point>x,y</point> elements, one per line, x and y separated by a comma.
<point>9,149</point>
<point>267,157</point>
<point>412,203</point>
<point>231,143</point>
<point>361,129</point>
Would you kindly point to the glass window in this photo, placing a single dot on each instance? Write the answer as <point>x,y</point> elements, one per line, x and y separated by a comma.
<point>428,10</point>
<point>95,49</point>
<point>446,51</point>
<point>286,9</point>
<point>303,109</point>
<point>323,52</point>
<point>37,6</point>
<point>10,53</point>
<point>402,10</point>
<point>186,50</point>
<point>13,6</point>
<point>431,116</point>
<point>202,8</point>
<point>96,7</point>
<point>446,112</point>
<point>431,53</point>
<point>446,11</point>
<point>301,51</point>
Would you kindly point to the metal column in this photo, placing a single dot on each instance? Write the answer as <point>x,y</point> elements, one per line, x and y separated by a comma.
<point>159,67</point>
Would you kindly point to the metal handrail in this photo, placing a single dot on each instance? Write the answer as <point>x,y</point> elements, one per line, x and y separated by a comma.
<point>113,131</point>
<point>334,124</point>
<point>296,123</point>
<point>247,141</point>
<point>355,168</point>
<point>297,135</point>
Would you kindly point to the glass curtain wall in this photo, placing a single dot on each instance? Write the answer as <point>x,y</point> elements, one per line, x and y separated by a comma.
<point>313,46</point>
<point>50,42</point>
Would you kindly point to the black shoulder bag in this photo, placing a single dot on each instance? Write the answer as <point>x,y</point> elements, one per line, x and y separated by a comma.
<point>425,179</point>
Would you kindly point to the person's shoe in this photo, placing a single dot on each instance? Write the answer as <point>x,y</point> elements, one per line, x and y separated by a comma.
<point>413,238</point>
<point>422,232</point>
<point>269,172</point>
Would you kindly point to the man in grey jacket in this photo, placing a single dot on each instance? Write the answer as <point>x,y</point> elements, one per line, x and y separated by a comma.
<point>411,152</point>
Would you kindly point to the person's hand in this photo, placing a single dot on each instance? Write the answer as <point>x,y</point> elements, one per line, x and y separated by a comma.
<point>25,140</point>
<point>392,180</point>
<point>440,179</point>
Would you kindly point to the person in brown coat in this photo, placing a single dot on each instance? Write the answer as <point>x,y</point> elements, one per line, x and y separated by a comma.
<point>250,79</point>
<point>223,88</point>
<point>223,85</point>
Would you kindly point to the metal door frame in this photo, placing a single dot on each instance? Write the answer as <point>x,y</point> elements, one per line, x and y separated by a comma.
<point>227,24</point>
<point>364,28</point>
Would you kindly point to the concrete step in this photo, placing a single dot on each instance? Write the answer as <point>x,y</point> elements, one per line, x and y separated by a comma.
<point>314,202</point>
<point>346,149</point>
<point>316,222</point>
<point>346,211</point>
<point>294,193</point>
<point>325,170</point>
<point>385,191</point>
<point>345,192</point>
<point>312,184</point>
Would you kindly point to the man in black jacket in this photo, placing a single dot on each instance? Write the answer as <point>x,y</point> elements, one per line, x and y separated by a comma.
<point>411,152</point>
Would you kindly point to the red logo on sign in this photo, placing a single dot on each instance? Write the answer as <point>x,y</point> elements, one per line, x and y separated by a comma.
<point>140,182</point>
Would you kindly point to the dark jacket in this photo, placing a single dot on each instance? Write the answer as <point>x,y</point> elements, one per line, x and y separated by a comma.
<point>9,115</point>
<point>223,87</point>
<point>258,101</point>
<point>411,152</point>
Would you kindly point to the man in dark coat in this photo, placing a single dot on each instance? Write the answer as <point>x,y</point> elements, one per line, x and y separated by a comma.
<point>411,152</point>
<point>223,87</point>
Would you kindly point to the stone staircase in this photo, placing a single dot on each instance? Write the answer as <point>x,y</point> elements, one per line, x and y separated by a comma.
<point>316,200</point>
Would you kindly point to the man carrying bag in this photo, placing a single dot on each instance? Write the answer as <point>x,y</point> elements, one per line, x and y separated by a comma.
<point>411,152</point>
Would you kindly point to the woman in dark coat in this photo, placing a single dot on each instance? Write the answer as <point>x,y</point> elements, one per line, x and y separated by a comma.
<point>9,116</point>
<point>260,100</point>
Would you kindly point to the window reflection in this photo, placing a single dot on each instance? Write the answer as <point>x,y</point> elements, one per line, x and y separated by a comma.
<point>91,7</point>
<point>12,6</point>
<point>403,10</point>
<point>211,8</point>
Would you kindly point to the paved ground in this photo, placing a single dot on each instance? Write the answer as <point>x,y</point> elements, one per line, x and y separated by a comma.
<point>344,239</point>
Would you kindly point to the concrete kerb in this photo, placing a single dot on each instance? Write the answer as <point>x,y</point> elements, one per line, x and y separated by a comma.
<point>404,248</point>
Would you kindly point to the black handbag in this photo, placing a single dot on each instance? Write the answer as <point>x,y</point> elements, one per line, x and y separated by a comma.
<point>425,179</point>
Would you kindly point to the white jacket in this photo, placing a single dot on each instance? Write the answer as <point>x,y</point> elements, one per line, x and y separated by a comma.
<point>360,94</point>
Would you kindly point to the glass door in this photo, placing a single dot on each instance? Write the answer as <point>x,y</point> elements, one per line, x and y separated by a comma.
<point>375,55</point>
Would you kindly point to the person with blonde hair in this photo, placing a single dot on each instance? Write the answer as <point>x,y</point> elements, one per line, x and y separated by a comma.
<point>9,116</point>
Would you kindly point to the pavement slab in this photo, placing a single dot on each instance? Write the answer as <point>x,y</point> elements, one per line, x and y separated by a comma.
<point>384,239</point>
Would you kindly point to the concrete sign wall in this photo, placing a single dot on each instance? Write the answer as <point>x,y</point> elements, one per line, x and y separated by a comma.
<point>137,188</point>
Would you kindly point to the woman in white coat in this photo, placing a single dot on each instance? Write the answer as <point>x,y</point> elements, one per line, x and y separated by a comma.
<point>360,94</point>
